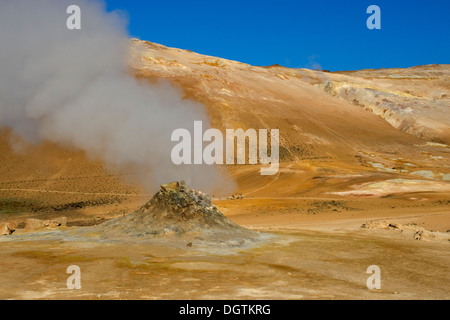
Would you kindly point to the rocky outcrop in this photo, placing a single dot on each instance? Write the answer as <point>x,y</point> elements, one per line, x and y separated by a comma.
<point>179,213</point>
<point>7,228</point>
<point>412,100</point>
<point>35,224</point>
<point>419,116</point>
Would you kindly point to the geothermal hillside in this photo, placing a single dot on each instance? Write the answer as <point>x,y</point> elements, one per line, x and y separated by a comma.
<point>337,130</point>
<point>369,132</point>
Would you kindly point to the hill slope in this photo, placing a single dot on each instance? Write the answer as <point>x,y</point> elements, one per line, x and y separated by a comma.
<point>337,134</point>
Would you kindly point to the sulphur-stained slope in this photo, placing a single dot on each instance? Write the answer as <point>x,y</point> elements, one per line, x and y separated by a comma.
<point>326,143</point>
<point>414,100</point>
<point>312,124</point>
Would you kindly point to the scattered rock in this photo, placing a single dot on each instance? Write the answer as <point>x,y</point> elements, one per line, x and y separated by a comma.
<point>394,225</point>
<point>35,224</point>
<point>60,222</point>
<point>236,196</point>
<point>410,230</point>
<point>8,228</point>
<point>13,225</point>
<point>418,235</point>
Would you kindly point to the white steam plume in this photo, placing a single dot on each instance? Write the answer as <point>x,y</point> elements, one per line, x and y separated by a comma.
<point>73,87</point>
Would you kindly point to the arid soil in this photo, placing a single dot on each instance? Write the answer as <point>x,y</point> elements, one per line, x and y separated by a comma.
<point>310,259</point>
<point>345,162</point>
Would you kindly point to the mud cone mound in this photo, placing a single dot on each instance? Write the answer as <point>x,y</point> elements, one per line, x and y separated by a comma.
<point>179,213</point>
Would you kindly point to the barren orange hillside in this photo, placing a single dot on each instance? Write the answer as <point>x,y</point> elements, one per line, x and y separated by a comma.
<point>327,142</point>
<point>334,142</point>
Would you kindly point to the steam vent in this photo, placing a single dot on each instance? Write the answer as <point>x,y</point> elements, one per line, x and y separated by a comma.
<point>178,213</point>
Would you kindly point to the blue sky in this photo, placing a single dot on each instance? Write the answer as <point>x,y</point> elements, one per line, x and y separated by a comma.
<point>296,33</point>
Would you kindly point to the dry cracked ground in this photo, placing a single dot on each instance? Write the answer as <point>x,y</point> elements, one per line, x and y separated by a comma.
<point>364,180</point>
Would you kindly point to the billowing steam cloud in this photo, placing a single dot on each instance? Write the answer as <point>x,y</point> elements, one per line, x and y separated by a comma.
<point>73,87</point>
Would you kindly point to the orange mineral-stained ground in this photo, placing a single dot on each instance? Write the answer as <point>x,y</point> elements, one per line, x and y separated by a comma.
<point>364,180</point>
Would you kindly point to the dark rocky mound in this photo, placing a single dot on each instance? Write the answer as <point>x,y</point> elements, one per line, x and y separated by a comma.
<point>179,213</point>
